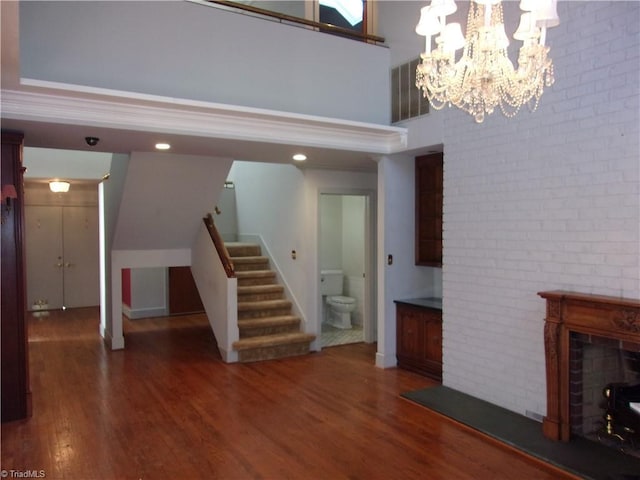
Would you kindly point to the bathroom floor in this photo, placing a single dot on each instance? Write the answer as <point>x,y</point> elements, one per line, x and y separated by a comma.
<point>332,336</point>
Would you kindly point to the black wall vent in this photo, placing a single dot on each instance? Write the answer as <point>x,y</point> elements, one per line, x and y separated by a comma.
<point>406,100</point>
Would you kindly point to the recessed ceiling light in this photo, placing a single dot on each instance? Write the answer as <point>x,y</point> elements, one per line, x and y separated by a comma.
<point>299,157</point>
<point>163,146</point>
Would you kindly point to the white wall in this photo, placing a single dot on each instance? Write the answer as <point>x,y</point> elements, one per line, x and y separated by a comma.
<point>165,198</point>
<point>149,293</point>
<point>222,57</point>
<point>219,294</point>
<point>353,235</point>
<point>330,232</point>
<point>227,219</point>
<point>546,200</point>
<point>396,236</point>
<point>110,197</point>
<point>353,256</point>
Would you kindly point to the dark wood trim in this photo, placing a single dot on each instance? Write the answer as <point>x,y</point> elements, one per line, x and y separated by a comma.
<point>16,392</point>
<point>610,317</point>
<point>324,27</point>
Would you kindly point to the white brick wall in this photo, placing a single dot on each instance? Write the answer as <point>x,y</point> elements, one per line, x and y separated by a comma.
<point>548,200</point>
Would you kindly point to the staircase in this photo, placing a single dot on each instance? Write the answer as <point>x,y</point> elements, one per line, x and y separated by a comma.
<point>267,327</point>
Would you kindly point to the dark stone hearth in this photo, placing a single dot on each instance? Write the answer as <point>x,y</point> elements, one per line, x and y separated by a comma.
<point>580,456</point>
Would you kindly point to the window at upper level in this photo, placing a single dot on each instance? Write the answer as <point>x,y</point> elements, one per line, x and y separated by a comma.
<point>343,13</point>
<point>351,18</point>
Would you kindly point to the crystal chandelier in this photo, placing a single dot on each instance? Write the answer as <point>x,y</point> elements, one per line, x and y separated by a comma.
<point>484,77</point>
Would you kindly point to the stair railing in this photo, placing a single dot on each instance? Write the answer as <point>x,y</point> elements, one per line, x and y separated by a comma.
<point>227,264</point>
<point>283,18</point>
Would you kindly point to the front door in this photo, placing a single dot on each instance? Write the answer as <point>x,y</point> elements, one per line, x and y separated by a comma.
<point>62,257</point>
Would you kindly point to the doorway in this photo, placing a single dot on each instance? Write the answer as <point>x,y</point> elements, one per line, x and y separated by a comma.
<point>345,249</point>
<point>61,243</point>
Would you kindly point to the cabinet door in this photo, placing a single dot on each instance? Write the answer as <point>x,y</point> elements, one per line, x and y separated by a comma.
<point>428,210</point>
<point>411,335</point>
<point>433,340</point>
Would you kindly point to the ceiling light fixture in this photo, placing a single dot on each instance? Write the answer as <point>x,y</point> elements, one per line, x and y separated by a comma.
<point>58,186</point>
<point>163,146</point>
<point>484,77</point>
<point>299,157</point>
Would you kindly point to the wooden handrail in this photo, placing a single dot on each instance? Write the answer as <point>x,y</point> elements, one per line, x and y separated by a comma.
<point>227,264</point>
<point>326,27</point>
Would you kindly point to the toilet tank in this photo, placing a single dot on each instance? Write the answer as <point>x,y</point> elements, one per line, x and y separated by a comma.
<point>331,282</point>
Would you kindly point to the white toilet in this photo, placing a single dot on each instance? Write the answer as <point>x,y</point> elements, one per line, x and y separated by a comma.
<point>338,307</point>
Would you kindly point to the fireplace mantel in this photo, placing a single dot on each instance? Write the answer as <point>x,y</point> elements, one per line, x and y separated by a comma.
<point>567,312</point>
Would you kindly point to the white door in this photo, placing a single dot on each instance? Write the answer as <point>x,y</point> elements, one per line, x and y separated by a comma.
<point>62,257</point>
<point>44,257</point>
<point>81,254</point>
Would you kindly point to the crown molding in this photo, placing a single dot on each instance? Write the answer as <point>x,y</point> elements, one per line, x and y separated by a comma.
<point>76,105</point>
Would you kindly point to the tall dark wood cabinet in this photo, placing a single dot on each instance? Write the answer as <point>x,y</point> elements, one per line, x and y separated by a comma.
<point>16,392</point>
<point>428,222</point>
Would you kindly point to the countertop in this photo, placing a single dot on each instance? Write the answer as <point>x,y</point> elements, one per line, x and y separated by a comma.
<point>427,302</point>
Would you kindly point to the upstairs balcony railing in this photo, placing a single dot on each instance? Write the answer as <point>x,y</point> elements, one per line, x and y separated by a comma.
<point>356,34</point>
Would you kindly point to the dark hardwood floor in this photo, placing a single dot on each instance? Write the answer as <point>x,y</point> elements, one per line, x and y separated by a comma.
<point>168,407</point>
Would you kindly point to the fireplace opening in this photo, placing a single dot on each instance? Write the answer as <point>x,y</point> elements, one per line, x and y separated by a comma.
<point>604,380</point>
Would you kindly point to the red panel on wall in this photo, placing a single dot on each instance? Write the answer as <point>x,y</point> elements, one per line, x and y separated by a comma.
<point>126,286</point>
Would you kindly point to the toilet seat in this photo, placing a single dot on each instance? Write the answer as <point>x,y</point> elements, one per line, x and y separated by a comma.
<point>340,300</point>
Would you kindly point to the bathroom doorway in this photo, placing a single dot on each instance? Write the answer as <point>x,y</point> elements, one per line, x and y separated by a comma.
<point>345,245</point>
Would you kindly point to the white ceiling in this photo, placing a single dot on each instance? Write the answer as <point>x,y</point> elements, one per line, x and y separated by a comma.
<point>47,163</point>
<point>58,116</point>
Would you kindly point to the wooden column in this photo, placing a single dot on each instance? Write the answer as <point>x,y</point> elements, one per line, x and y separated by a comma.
<point>567,312</point>
<point>16,395</point>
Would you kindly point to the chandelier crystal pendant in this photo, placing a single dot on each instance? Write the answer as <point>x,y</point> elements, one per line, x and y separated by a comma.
<point>484,77</point>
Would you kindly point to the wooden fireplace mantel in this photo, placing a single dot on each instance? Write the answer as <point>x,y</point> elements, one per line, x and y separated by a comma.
<point>567,312</point>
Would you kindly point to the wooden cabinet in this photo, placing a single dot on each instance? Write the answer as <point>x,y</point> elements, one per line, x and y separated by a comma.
<point>428,210</point>
<point>16,395</point>
<point>419,338</point>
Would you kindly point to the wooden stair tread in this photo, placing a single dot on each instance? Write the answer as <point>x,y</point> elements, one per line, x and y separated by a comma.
<point>273,340</point>
<point>240,249</point>
<point>263,305</point>
<point>255,274</point>
<point>249,259</point>
<point>271,288</point>
<point>268,321</point>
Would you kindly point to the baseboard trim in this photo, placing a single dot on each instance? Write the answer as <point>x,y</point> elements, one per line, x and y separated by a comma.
<point>134,314</point>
